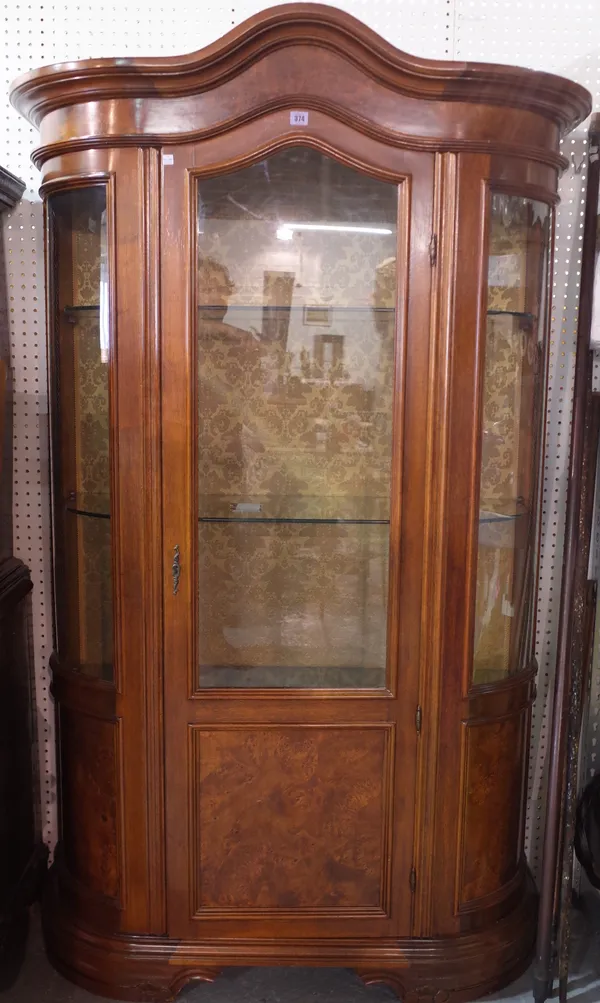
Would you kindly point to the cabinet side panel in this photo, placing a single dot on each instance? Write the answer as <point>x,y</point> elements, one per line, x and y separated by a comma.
<point>88,765</point>
<point>493,785</point>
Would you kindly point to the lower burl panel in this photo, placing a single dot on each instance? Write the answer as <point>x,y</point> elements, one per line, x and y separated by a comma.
<point>290,817</point>
<point>88,772</point>
<point>494,770</point>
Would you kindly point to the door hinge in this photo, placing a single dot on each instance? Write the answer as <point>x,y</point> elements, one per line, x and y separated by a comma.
<point>419,720</point>
<point>433,249</point>
<point>413,880</point>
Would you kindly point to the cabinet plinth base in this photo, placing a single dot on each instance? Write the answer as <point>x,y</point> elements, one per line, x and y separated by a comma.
<point>426,970</point>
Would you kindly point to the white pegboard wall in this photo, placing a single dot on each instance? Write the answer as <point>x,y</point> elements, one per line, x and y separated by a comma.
<point>562,347</point>
<point>561,37</point>
<point>24,255</point>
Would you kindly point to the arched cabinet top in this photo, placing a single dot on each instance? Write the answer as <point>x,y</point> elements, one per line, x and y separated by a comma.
<point>300,55</point>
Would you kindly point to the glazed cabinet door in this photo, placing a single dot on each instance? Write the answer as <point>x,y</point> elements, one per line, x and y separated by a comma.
<point>293,502</point>
<point>489,503</point>
<point>511,406</point>
<point>104,416</point>
<point>81,457</point>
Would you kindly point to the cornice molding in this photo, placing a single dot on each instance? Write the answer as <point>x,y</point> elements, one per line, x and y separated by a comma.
<point>402,141</point>
<point>560,100</point>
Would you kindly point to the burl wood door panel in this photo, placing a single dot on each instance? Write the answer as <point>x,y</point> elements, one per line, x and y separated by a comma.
<point>291,817</point>
<point>493,778</point>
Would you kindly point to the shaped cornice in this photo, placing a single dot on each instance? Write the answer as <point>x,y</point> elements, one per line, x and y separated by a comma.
<point>53,87</point>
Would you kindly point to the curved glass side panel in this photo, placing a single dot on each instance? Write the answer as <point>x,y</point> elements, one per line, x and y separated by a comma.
<point>80,348</point>
<point>512,385</point>
<point>295,343</point>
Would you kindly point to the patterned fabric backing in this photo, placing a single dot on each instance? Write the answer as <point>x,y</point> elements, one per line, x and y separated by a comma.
<point>511,374</point>
<point>91,446</point>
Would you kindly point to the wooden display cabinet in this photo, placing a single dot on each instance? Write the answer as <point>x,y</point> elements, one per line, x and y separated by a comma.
<point>298,291</point>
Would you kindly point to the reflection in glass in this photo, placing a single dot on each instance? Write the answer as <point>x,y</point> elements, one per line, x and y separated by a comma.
<point>511,399</point>
<point>295,345</point>
<point>81,432</point>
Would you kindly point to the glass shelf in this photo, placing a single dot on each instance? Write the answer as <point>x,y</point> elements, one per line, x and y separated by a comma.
<point>88,512</point>
<point>304,522</point>
<point>302,510</point>
<point>305,510</point>
<point>514,510</point>
<point>88,503</point>
<point>81,309</point>
<point>528,318</point>
<point>238,519</point>
<point>259,306</point>
<point>295,509</point>
<point>232,307</point>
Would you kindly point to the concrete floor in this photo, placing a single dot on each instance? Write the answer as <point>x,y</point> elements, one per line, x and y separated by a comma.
<point>39,983</point>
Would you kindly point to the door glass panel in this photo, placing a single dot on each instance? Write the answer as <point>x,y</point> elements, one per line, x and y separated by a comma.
<point>296,314</point>
<point>511,417</point>
<point>80,422</point>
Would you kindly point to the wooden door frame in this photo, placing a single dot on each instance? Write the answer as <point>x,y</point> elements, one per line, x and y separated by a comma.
<point>415,174</point>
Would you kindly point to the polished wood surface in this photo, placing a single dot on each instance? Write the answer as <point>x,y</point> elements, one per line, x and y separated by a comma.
<point>89,792</point>
<point>494,771</point>
<point>279,38</point>
<point>304,813</point>
<point>318,25</point>
<point>377,826</point>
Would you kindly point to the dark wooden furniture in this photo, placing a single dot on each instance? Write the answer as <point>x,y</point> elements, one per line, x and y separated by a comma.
<point>298,298</point>
<point>22,855</point>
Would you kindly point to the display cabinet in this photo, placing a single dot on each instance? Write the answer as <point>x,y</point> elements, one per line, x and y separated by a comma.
<point>298,300</point>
